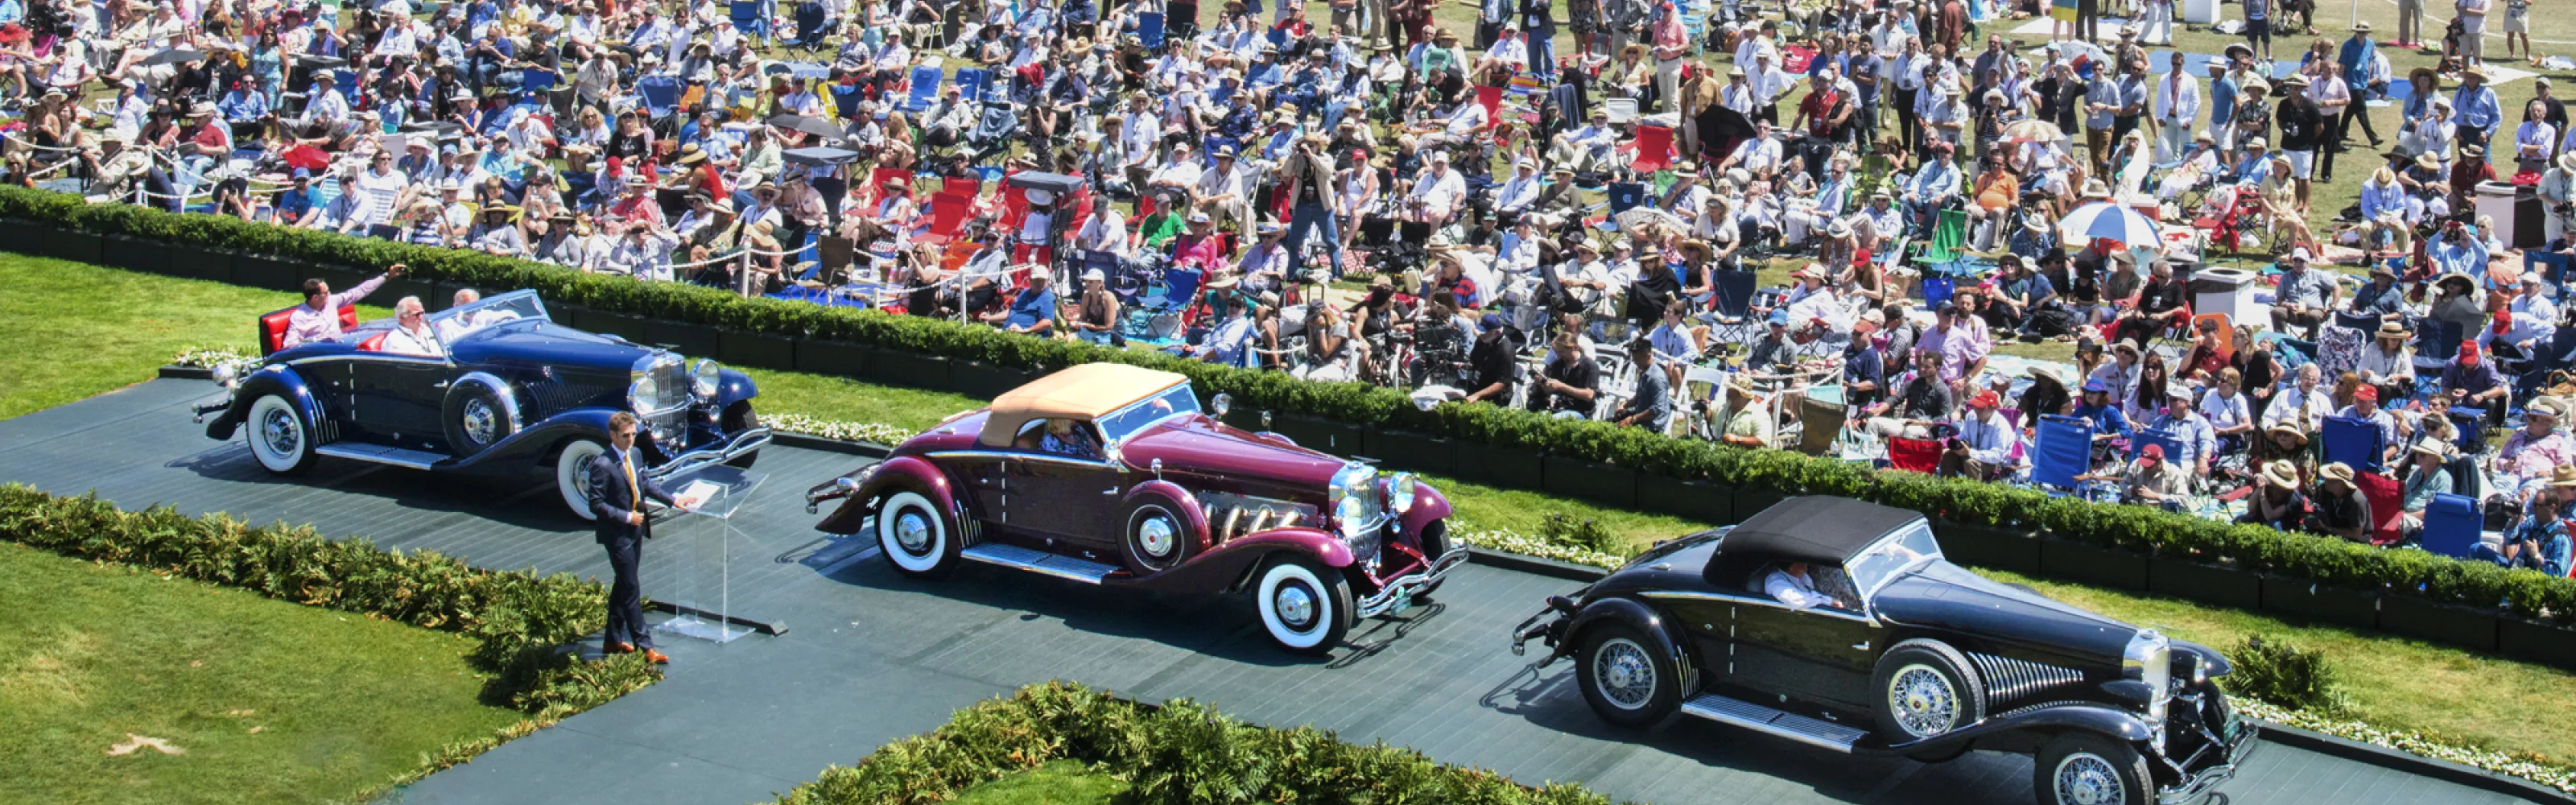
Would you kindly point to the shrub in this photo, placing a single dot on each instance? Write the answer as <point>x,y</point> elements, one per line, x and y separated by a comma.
<point>2284,675</point>
<point>1180,753</point>
<point>519,619</point>
<point>1585,534</point>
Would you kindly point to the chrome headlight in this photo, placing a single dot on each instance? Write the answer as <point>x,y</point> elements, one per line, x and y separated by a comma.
<point>2149,659</point>
<point>644,394</point>
<point>1399,492</point>
<point>1350,516</point>
<point>703,378</point>
<point>225,374</point>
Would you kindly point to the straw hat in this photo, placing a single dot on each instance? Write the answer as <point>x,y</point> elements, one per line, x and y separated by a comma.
<point>2563,476</point>
<point>2433,447</point>
<point>2393,329</point>
<point>2292,431</point>
<point>2340,471</point>
<point>2282,474</point>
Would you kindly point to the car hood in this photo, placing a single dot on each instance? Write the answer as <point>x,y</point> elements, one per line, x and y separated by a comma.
<point>1947,597</point>
<point>1199,444</point>
<point>544,343</point>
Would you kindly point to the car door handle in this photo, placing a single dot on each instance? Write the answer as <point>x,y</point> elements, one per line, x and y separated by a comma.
<point>1109,491</point>
<point>439,385</point>
<point>1861,646</point>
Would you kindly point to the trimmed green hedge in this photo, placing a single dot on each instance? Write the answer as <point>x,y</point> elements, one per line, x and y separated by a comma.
<point>521,620</point>
<point>1181,753</point>
<point>2323,560</point>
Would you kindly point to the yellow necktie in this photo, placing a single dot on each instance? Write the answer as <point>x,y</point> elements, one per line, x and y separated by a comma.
<point>634,491</point>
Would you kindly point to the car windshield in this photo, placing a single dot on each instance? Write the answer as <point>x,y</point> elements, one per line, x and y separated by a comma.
<point>457,322</point>
<point>1120,423</point>
<point>1893,555</point>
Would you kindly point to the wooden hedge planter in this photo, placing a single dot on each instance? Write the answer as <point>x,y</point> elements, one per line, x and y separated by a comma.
<point>1318,433</point>
<point>836,358</point>
<point>1694,500</point>
<point>1407,450</point>
<point>149,256</point>
<point>1498,465</point>
<point>907,369</point>
<point>760,350</point>
<point>1751,501</point>
<point>1988,546</point>
<point>2435,622</point>
<point>272,273</point>
<point>1605,484</point>
<point>2311,601</point>
<point>2223,584</point>
<point>2535,642</point>
<point>66,244</point>
<point>2090,564</point>
<point>984,381</point>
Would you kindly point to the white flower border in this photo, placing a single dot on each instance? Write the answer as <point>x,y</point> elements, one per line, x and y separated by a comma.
<point>2561,778</point>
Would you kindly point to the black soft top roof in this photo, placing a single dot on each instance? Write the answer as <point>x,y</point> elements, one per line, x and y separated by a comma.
<point>1816,529</point>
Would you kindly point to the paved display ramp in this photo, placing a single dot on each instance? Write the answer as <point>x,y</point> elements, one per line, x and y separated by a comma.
<point>871,656</point>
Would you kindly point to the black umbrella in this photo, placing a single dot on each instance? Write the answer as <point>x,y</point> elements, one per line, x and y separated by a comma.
<point>811,125</point>
<point>1721,128</point>
<point>174,56</point>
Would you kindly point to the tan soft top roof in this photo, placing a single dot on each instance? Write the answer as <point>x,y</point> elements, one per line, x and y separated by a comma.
<point>1083,392</point>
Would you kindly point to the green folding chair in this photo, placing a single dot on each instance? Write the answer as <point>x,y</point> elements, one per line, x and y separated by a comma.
<point>1948,236</point>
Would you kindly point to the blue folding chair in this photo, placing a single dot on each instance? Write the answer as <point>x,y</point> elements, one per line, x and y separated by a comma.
<point>2353,441</point>
<point>925,86</point>
<point>2139,439</point>
<point>2452,525</point>
<point>2551,265</point>
<point>1937,290</point>
<point>2062,450</point>
<point>661,94</point>
<point>1149,30</point>
<point>1733,297</point>
<point>845,101</point>
<point>2438,339</point>
<point>747,19</point>
<point>535,83</point>
<point>1625,196</point>
<point>973,82</point>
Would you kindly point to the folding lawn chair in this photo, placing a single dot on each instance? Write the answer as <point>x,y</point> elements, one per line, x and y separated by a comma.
<point>660,95</point>
<point>1937,290</point>
<point>2353,441</point>
<point>2387,497</point>
<point>1149,30</point>
<point>925,88</point>
<point>2452,525</point>
<point>1733,297</point>
<point>1949,235</point>
<point>1916,455</point>
<point>746,18</point>
<point>1654,149</point>
<point>1625,196</point>
<point>948,214</point>
<point>2062,450</point>
<point>1820,425</point>
<point>973,83</point>
<point>2552,265</point>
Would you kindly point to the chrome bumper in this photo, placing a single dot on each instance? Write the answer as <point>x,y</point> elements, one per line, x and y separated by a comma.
<point>212,405</point>
<point>742,443</point>
<point>1401,590</point>
<point>2199,784</point>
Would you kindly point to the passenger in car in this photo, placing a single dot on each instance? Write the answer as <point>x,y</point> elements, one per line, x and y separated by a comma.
<point>1790,584</point>
<point>411,334</point>
<point>1063,437</point>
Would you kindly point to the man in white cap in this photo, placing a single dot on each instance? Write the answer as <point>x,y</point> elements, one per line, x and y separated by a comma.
<point>1437,192</point>
<point>1518,192</point>
<point>1226,189</point>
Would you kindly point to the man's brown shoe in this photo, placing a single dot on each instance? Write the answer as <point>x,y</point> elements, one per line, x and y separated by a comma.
<point>657,657</point>
<point>616,648</point>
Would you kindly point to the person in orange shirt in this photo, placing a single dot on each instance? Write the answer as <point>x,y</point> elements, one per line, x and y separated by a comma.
<point>1998,194</point>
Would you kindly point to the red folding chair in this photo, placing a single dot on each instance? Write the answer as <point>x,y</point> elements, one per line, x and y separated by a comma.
<point>1654,149</point>
<point>1914,455</point>
<point>1015,206</point>
<point>1492,99</point>
<point>2387,502</point>
<point>869,195</point>
<point>968,186</point>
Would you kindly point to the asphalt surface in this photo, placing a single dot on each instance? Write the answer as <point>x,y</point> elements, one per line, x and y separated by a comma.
<point>870,656</point>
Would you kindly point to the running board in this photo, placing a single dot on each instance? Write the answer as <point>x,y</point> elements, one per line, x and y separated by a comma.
<point>380,454</point>
<point>1063,567</point>
<point>1758,718</point>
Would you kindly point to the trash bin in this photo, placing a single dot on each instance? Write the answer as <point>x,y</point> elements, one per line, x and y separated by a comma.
<point>2226,290</point>
<point>2495,201</point>
<point>2200,12</point>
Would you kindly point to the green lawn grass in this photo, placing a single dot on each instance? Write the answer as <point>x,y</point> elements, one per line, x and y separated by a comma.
<point>1058,782</point>
<point>76,330</point>
<point>268,700</point>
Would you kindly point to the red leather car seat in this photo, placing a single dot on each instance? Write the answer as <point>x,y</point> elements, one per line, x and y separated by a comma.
<point>272,327</point>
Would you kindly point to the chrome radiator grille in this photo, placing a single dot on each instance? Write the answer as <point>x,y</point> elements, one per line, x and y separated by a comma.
<point>2008,679</point>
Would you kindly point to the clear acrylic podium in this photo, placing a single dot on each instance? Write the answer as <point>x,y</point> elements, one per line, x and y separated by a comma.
<point>700,605</point>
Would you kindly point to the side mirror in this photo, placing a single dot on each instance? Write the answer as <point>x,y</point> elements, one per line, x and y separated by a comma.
<point>1222,403</point>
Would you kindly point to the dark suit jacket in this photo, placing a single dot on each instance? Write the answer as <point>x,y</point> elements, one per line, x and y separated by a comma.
<point>609,497</point>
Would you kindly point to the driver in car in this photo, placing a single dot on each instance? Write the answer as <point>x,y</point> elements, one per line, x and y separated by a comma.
<point>1801,587</point>
<point>1063,437</point>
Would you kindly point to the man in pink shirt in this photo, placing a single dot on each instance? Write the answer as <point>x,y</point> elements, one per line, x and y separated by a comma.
<point>319,317</point>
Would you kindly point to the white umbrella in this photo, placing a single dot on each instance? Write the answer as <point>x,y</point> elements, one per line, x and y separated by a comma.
<point>2103,220</point>
<point>1641,215</point>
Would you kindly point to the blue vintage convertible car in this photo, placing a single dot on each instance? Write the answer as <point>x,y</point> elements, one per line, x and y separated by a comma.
<point>513,391</point>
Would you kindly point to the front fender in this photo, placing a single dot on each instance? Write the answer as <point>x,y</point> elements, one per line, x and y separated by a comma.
<point>1429,506</point>
<point>275,378</point>
<point>1633,613</point>
<point>733,387</point>
<point>1221,569</point>
<point>2110,722</point>
<point>899,472</point>
<point>1192,517</point>
<point>542,438</point>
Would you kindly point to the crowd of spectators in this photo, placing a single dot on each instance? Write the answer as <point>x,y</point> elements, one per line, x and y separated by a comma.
<point>1354,191</point>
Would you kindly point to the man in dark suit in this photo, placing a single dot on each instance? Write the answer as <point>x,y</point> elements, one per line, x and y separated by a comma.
<point>617,493</point>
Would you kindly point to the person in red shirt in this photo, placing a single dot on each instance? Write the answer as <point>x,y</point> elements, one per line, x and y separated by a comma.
<point>2467,172</point>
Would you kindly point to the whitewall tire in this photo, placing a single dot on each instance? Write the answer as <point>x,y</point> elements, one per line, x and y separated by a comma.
<point>915,536</point>
<point>1306,609</point>
<point>280,435</point>
<point>572,474</point>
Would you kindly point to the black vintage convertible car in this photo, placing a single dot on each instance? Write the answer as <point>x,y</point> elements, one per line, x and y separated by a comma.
<point>1837,623</point>
<point>506,390</point>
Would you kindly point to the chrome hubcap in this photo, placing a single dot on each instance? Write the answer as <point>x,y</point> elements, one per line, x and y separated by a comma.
<point>2084,778</point>
<point>479,422</point>
<point>1296,605</point>
<point>912,531</point>
<point>1924,704</point>
<point>1155,535</point>
<point>1626,675</point>
<point>279,431</point>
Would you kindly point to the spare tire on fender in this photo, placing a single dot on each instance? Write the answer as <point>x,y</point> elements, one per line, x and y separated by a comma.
<point>1158,533</point>
<point>1924,689</point>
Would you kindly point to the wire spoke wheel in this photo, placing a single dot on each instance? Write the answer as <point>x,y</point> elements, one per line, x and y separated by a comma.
<point>1624,673</point>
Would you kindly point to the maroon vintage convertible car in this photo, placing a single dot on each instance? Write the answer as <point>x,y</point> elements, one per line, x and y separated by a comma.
<point>1109,474</point>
